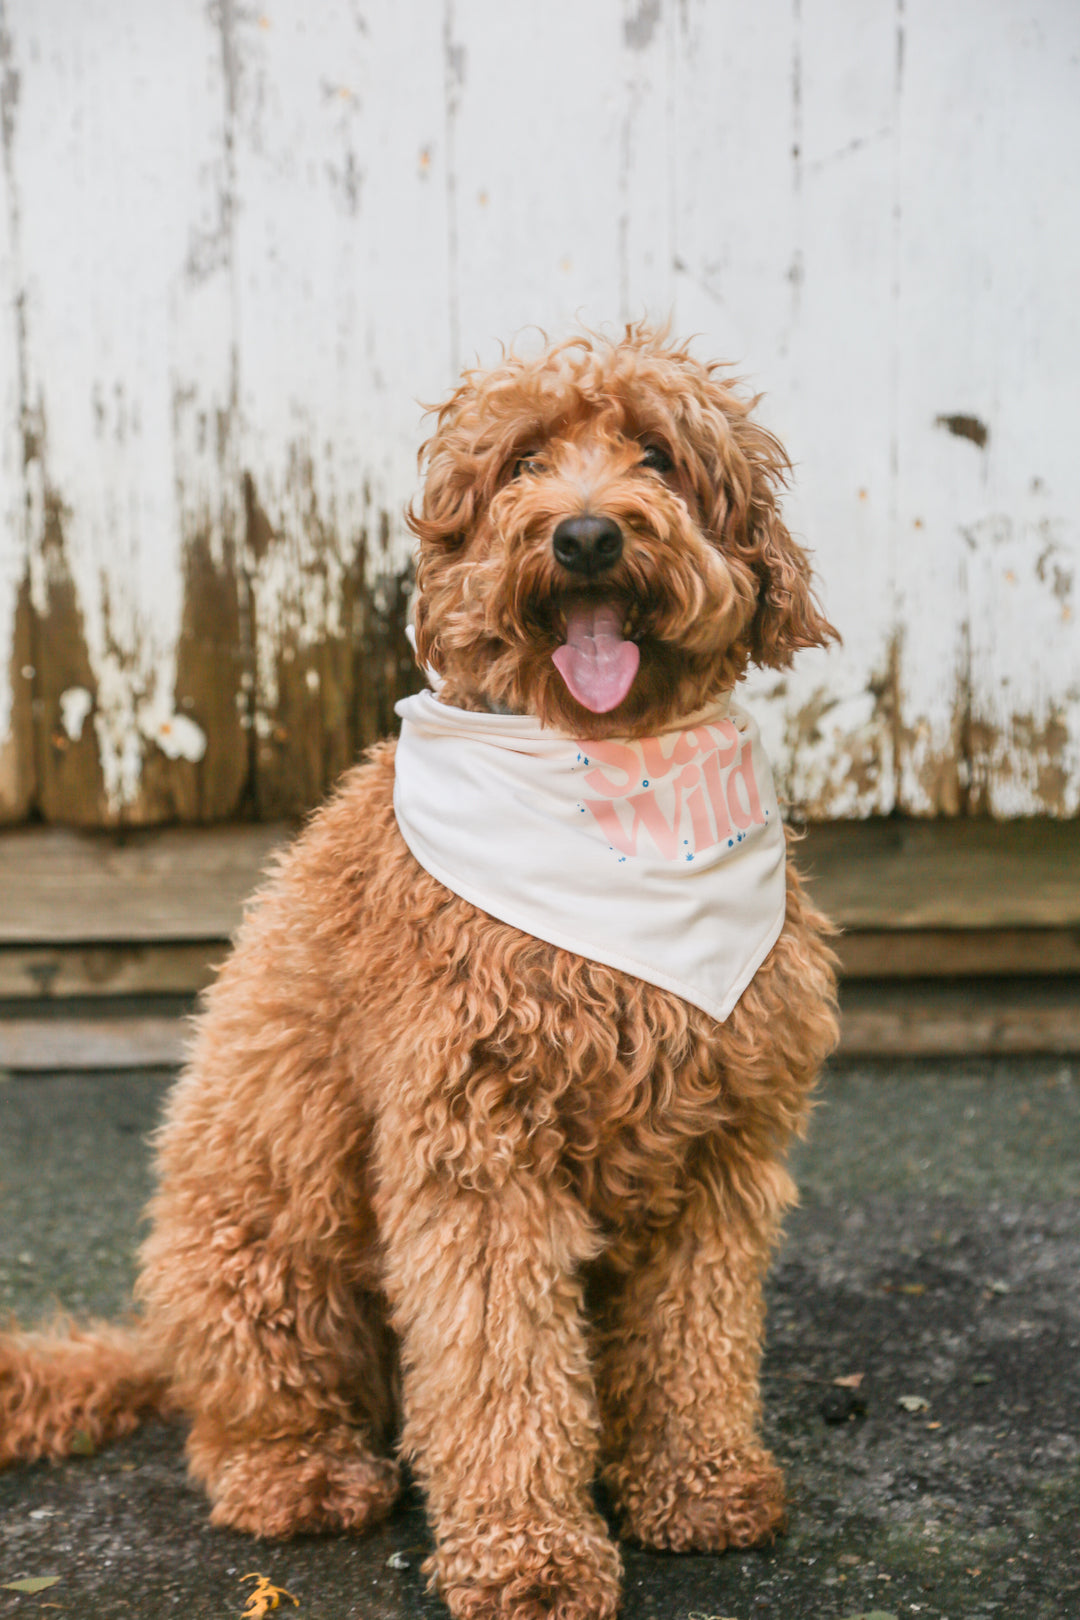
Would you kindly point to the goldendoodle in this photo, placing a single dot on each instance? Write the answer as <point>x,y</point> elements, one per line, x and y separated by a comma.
<point>478,1158</point>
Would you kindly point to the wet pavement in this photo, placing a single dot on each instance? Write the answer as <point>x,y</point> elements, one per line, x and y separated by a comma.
<point>936,1253</point>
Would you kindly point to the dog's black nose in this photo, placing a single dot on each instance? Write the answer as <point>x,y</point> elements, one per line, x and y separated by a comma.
<point>587,545</point>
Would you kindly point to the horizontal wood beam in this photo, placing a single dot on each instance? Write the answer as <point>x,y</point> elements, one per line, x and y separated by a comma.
<point>42,1045</point>
<point>185,967</point>
<point>961,1019</point>
<point>185,883</point>
<point>59,887</point>
<point>896,1019</point>
<point>62,972</point>
<point>931,953</point>
<point>894,873</point>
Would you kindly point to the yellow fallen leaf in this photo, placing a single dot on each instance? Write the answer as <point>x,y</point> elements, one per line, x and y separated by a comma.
<point>849,1381</point>
<point>265,1597</point>
<point>31,1583</point>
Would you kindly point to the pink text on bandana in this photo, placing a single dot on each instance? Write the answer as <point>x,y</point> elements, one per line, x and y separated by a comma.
<point>699,794</point>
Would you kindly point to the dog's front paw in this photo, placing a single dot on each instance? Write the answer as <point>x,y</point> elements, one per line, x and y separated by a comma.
<point>732,1501</point>
<point>528,1568</point>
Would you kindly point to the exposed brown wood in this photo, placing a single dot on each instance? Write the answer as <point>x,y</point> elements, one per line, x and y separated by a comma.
<point>18,770</point>
<point>58,886</point>
<point>384,662</point>
<point>213,681</point>
<point>57,972</point>
<point>969,1018</point>
<point>37,1045</point>
<point>70,786</point>
<point>946,874</point>
<point>919,953</point>
<point>334,693</point>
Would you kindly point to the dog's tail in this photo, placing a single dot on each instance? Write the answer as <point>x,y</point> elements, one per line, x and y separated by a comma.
<point>68,1390</point>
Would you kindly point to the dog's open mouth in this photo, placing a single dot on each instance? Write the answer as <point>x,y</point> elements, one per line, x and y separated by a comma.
<point>596,660</point>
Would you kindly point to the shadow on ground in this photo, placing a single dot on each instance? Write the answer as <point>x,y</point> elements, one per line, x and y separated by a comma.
<point>935,1254</point>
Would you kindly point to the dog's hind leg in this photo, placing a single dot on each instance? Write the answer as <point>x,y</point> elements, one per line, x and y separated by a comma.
<point>329,1479</point>
<point>287,1372</point>
<point>678,1381</point>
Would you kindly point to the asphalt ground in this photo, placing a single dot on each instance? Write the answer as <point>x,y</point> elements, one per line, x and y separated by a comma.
<point>936,1253</point>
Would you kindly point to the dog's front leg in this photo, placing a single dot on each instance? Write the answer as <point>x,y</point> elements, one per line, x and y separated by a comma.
<point>500,1418</point>
<point>678,1376</point>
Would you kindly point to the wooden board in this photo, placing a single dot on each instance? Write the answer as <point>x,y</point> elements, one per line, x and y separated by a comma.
<point>935,953</point>
<point>964,874</point>
<point>940,879</point>
<point>61,972</point>
<point>39,1045</point>
<point>972,1019</point>
<point>878,1020</point>
<point>182,884</point>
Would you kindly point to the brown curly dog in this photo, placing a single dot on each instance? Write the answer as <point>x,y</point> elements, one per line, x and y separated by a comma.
<point>430,1185</point>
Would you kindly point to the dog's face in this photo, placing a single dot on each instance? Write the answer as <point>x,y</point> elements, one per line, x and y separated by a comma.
<point>600,544</point>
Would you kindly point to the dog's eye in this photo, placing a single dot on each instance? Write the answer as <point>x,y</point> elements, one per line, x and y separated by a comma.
<point>527,466</point>
<point>656,458</point>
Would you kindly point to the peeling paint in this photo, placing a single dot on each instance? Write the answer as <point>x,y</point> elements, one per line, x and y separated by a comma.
<point>75,704</point>
<point>330,653</point>
<point>178,736</point>
<point>838,750</point>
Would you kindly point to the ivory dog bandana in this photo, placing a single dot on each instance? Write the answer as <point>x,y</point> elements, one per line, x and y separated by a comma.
<point>662,856</point>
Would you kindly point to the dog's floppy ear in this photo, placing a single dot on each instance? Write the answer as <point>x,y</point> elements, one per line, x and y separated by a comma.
<point>749,471</point>
<point>441,520</point>
<point>448,503</point>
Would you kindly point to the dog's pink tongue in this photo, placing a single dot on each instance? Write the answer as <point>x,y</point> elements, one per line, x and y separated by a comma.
<point>595,662</point>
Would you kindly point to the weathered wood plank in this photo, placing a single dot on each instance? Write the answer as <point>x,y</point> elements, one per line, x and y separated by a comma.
<point>183,968</point>
<point>341,175</point>
<point>888,876</point>
<point>967,1020</point>
<point>784,252</point>
<point>946,874</point>
<point>179,884</point>
<point>971,1019</point>
<point>132,670</point>
<point>18,777</point>
<point>61,972</point>
<point>38,1045</point>
<point>584,222</point>
<point>987,535</point>
<point>935,953</point>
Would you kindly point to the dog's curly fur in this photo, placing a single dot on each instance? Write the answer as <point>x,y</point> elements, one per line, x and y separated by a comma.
<point>429,1180</point>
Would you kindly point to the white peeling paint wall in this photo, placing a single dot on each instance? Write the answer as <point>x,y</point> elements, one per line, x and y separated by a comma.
<point>241,243</point>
